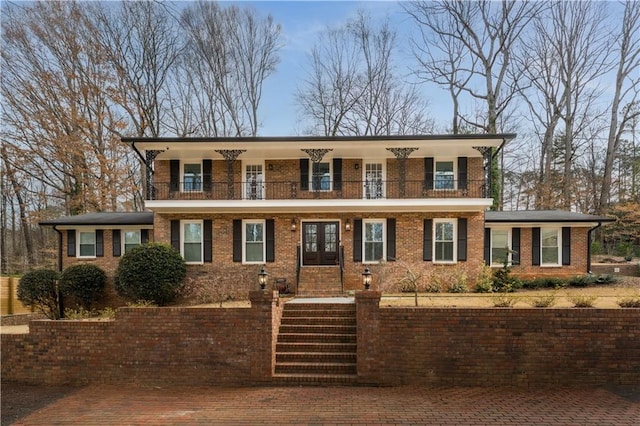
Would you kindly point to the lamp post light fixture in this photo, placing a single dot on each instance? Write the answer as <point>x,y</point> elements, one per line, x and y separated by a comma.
<point>366,278</point>
<point>347,225</point>
<point>262,278</point>
<point>294,225</point>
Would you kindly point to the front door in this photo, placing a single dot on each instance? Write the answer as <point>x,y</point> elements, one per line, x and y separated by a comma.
<point>320,243</point>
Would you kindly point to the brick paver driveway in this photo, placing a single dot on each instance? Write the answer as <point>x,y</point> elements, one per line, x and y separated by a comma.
<point>106,405</point>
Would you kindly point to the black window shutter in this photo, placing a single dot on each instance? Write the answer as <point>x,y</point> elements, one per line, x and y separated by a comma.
<point>99,243</point>
<point>271,240</point>
<point>428,173</point>
<point>207,174</point>
<point>357,240</point>
<point>487,246</point>
<point>207,239</point>
<point>71,243</point>
<point>304,174</point>
<point>515,246</point>
<point>174,175</point>
<point>237,240</point>
<point>144,236</point>
<point>535,246</point>
<point>391,239</point>
<point>566,245</point>
<point>337,174</point>
<point>462,172</point>
<point>175,234</point>
<point>462,239</point>
<point>427,239</point>
<point>115,238</point>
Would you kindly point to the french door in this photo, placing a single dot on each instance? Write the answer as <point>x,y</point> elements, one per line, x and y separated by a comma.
<point>320,243</point>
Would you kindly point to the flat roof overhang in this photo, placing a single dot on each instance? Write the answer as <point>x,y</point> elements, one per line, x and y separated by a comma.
<point>321,206</point>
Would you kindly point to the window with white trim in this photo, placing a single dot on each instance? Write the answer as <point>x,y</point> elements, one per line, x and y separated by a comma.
<point>550,246</point>
<point>500,250</point>
<point>374,240</point>
<point>191,177</point>
<point>253,233</point>
<point>130,240</point>
<point>86,243</point>
<point>320,176</point>
<point>192,245</point>
<point>444,175</point>
<point>444,240</point>
<point>374,180</point>
<point>254,182</point>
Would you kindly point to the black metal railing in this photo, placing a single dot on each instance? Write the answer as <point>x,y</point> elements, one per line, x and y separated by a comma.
<point>288,190</point>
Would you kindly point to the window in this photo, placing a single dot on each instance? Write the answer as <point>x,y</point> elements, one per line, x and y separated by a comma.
<point>373,240</point>
<point>374,181</point>
<point>444,240</point>
<point>321,176</point>
<point>192,241</point>
<point>499,247</point>
<point>550,246</point>
<point>253,182</point>
<point>86,244</point>
<point>254,248</point>
<point>131,239</point>
<point>192,177</point>
<point>444,175</point>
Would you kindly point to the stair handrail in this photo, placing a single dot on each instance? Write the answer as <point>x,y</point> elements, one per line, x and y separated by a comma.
<point>341,260</point>
<point>298,249</point>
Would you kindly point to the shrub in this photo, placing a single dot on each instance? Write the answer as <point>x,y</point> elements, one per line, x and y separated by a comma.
<point>484,280</point>
<point>458,287</point>
<point>606,279</point>
<point>544,301</point>
<point>629,302</point>
<point>85,283</point>
<point>545,282</point>
<point>39,288</point>
<point>153,272</point>
<point>504,300</point>
<point>582,280</point>
<point>504,282</point>
<point>583,301</point>
<point>77,314</point>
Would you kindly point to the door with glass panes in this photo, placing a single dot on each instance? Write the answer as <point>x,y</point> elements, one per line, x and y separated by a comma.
<point>320,243</point>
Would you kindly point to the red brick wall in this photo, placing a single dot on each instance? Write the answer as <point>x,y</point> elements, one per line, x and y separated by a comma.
<point>194,346</point>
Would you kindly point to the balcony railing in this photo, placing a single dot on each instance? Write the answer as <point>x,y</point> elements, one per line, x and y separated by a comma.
<point>324,189</point>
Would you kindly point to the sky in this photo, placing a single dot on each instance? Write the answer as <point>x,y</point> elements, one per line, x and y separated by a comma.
<point>302,22</point>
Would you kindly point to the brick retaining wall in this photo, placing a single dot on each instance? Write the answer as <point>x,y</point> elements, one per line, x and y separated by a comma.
<point>428,346</point>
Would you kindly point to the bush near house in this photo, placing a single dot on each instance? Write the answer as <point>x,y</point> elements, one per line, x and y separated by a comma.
<point>39,288</point>
<point>84,283</point>
<point>153,272</point>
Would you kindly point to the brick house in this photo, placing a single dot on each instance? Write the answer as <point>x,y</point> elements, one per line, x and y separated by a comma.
<point>315,211</point>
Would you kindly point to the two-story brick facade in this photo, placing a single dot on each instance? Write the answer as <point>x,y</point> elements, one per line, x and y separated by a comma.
<point>317,210</point>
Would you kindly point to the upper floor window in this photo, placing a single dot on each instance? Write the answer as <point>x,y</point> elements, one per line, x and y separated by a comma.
<point>499,247</point>
<point>191,177</point>
<point>444,240</point>
<point>131,240</point>
<point>321,176</point>
<point>192,245</point>
<point>550,246</point>
<point>86,244</point>
<point>373,180</point>
<point>254,182</point>
<point>444,175</point>
<point>254,247</point>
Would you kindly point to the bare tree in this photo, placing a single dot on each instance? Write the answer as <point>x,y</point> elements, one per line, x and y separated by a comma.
<point>229,54</point>
<point>627,84</point>
<point>352,87</point>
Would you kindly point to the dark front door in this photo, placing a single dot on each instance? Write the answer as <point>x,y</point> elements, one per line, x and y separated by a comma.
<point>320,243</point>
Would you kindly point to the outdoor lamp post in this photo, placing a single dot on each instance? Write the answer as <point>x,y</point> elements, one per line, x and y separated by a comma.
<point>366,278</point>
<point>262,278</point>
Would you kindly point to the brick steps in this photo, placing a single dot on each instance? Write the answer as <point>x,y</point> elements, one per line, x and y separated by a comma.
<point>317,344</point>
<point>320,281</point>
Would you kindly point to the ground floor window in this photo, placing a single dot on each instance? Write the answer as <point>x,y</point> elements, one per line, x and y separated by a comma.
<point>131,240</point>
<point>192,241</point>
<point>550,246</point>
<point>373,240</point>
<point>499,247</point>
<point>444,240</point>
<point>86,244</point>
<point>254,247</point>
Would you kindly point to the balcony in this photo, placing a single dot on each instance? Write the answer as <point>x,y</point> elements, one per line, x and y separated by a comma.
<point>318,189</point>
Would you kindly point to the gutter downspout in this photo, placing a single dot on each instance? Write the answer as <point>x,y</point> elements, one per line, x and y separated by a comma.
<point>589,246</point>
<point>495,154</point>
<point>133,145</point>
